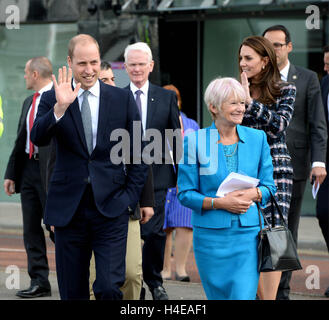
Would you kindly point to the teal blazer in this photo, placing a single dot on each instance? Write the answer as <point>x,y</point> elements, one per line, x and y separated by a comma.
<point>203,168</point>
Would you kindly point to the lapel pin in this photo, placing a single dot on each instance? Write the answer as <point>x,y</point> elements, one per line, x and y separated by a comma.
<point>294,77</point>
<point>152,99</point>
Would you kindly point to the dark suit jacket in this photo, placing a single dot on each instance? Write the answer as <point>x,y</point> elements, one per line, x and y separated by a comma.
<point>18,155</point>
<point>162,114</point>
<point>322,203</point>
<point>325,92</point>
<point>115,190</point>
<point>147,196</point>
<point>307,133</point>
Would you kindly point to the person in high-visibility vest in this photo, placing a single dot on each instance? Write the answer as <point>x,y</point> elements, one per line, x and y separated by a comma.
<point>1,118</point>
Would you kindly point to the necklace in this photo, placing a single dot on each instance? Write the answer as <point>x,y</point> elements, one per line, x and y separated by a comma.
<point>233,153</point>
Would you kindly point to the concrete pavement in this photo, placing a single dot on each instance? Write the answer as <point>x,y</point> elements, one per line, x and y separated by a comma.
<point>176,290</point>
<point>307,284</point>
<point>310,237</point>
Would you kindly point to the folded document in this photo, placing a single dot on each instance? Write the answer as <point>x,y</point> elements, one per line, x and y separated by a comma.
<point>315,189</point>
<point>236,181</point>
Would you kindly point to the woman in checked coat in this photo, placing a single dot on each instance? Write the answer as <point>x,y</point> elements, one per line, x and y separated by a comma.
<point>269,107</point>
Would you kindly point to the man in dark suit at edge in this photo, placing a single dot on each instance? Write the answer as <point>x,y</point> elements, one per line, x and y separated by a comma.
<point>90,197</point>
<point>306,134</point>
<point>26,174</point>
<point>322,201</point>
<point>158,109</point>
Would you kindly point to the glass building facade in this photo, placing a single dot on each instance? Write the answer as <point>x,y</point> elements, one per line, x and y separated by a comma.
<point>192,42</point>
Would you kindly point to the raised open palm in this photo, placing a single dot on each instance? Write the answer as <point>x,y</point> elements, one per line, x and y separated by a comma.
<point>245,85</point>
<point>63,88</point>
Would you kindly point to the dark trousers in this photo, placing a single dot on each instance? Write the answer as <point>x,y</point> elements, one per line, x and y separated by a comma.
<point>322,209</point>
<point>33,199</point>
<point>89,231</point>
<point>154,243</point>
<point>298,189</point>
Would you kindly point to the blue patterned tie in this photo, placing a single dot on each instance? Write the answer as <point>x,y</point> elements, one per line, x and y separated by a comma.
<point>139,102</point>
<point>86,121</point>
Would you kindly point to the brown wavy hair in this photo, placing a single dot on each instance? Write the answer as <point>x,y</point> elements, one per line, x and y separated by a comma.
<point>268,82</point>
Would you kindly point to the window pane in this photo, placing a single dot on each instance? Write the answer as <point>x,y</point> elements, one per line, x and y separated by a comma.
<point>16,48</point>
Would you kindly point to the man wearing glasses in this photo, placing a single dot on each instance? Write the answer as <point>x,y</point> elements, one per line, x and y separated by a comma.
<point>306,134</point>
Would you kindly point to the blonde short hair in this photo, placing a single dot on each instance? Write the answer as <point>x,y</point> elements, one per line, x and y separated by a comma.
<point>220,89</point>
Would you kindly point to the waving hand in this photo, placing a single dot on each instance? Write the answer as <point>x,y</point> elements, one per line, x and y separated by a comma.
<point>63,90</point>
<point>245,85</point>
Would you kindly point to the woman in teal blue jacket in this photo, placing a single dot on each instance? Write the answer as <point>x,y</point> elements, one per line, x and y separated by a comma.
<point>225,229</point>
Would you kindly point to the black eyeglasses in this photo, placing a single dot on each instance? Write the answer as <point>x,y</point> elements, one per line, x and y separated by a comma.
<point>278,45</point>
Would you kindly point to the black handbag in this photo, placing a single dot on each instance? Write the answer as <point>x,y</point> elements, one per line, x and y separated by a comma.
<point>276,248</point>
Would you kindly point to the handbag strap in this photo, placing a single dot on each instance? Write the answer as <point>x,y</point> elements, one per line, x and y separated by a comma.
<point>260,212</point>
<point>273,201</point>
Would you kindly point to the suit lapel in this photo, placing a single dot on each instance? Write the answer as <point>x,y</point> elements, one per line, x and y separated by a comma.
<point>103,113</point>
<point>292,74</point>
<point>76,115</point>
<point>27,106</point>
<point>215,151</point>
<point>25,110</point>
<point>242,151</point>
<point>325,98</point>
<point>151,105</point>
<point>152,100</point>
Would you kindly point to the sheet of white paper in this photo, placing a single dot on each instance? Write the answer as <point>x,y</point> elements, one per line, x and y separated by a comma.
<point>236,181</point>
<point>315,189</point>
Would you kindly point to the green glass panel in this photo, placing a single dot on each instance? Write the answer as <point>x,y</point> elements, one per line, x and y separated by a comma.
<point>186,3</point>
<point>17,47</point>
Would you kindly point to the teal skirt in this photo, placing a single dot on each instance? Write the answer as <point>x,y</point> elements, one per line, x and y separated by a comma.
<point>227,261</point>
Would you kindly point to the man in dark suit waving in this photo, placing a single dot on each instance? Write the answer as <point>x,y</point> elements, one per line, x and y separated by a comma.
<point>26,174</point>
<point>306,134</point>
<point>158,109</point>
<point>90,194</point>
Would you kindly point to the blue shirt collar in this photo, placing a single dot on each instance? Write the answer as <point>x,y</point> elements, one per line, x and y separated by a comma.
<point>241,132</point>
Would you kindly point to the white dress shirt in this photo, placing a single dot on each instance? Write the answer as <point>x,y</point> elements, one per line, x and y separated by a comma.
<point>93,99</point>
<point>143,96</point>
<point>27,144</point>
<point>284,72</point>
